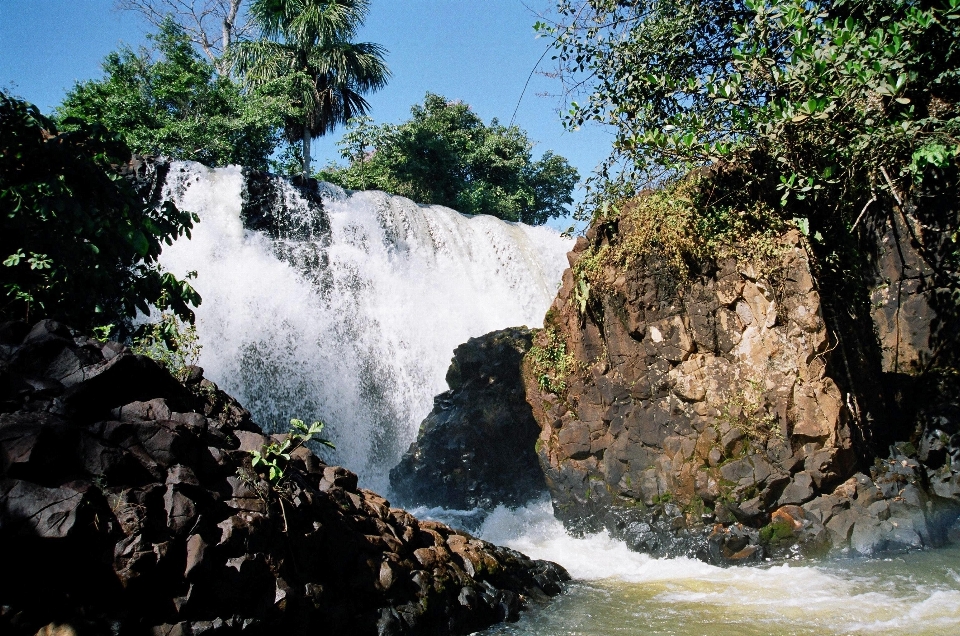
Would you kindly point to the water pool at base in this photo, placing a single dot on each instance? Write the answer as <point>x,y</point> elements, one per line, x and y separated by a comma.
<point>619,592</point>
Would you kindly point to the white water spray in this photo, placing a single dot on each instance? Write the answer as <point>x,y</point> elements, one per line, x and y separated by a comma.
<point>364,341</point>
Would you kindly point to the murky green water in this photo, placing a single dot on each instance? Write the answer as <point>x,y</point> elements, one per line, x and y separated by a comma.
<point>621,592</point>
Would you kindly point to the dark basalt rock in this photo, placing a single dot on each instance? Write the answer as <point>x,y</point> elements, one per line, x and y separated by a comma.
<point>476,448</point>
<point>136,510</point>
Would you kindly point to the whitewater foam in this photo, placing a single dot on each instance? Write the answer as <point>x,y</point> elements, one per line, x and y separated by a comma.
<point>367,349</point>
<point>621,591</point>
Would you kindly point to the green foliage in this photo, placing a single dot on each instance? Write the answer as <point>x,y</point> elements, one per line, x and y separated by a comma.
<point>77,241</point>
<point>551,363</point>
<point>275,456</point>
<point>306,53</point>
<point>663,498</point>
<point>816,97</point>
<point>446,155</point>
<point>170,341</point>
<point>177,106</point>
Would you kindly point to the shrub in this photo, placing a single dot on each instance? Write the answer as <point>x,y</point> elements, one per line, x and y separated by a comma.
<point>77,242</point>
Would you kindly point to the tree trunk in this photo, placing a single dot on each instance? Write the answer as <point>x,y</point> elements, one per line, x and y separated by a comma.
<point>307,137</point>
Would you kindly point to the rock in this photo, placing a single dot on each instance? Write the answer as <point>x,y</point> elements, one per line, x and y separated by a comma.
<point>28,509</point>
<point>735,545</point>
<point>476,448</point>
<point>714,390</point>
<point>137,509</point>
<point>799,491</point>
<point>746,388</point>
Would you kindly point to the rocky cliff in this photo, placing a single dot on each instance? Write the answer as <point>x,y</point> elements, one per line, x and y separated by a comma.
<point>711,413</point>
<point>129,504</point>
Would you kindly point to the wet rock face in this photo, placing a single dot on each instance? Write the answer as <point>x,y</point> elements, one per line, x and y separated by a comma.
<point>713,395</point>
<point>267,206</point>
<point>129,504</point>
<point>476,448</point>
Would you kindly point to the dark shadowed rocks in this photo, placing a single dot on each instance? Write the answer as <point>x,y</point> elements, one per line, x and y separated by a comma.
<point>129,505</point>
<point>476,448</point>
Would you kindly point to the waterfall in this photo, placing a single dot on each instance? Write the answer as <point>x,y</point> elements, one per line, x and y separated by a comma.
<point>348,312</point>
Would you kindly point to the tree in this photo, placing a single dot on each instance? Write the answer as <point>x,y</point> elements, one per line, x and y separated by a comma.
<point>212,25</point>
<point>830,103</point>
<point>78,243</point>
<point>306,51</point>
<point>446,155</point>
<point>825,112</point>
<point>176,106</point>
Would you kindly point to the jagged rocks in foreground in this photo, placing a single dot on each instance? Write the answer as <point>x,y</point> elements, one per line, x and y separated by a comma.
<point>476,448</point>
<point>129,505</point>
<point>712,417</point>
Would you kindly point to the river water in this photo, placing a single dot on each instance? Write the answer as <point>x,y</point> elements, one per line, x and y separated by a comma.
<point>619,592</point>
<point>368,349</point>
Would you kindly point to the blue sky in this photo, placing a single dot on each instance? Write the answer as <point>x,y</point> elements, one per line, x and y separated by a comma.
<point>481,52</point>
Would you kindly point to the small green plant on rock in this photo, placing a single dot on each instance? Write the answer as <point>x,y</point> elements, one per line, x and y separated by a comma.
<point>102,333</point>
<point>173,343</point>
<point>552,364</point>
<point>275,456</point>
<point>273,459</point>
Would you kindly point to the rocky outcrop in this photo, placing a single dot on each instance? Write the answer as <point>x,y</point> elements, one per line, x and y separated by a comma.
<point>691,413</point>
<point>476,448</point>
<point>903,504</point>
<point>129,504</point>
<point>914,270</point>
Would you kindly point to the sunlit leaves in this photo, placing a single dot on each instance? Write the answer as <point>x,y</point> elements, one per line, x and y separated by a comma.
<point>815,92</point>
<point>78,242</point>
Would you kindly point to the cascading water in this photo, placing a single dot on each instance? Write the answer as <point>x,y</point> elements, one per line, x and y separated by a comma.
<point>351,318</point>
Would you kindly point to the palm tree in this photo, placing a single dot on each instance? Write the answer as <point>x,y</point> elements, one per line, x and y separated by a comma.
<point>306,46</point>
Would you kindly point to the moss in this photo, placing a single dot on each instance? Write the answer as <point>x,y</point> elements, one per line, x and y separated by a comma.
<point>776,532</point>
<point>676,229</point>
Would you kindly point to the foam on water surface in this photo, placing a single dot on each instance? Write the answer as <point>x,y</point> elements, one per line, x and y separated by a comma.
<point>623,592</point>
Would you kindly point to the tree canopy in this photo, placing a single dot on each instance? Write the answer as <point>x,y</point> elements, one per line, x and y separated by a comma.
<point>830,102</point>
<point>306,50</point>
<point>78,243</point>
<point>178,106</point>
<point>446,155</point>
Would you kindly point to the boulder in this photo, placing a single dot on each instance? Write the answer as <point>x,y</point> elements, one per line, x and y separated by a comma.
<point>476,448</point>
<point>717,389</point>
<point>736,395</point>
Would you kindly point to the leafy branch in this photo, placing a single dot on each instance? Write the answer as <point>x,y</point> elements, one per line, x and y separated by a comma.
<point>274,457</point>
